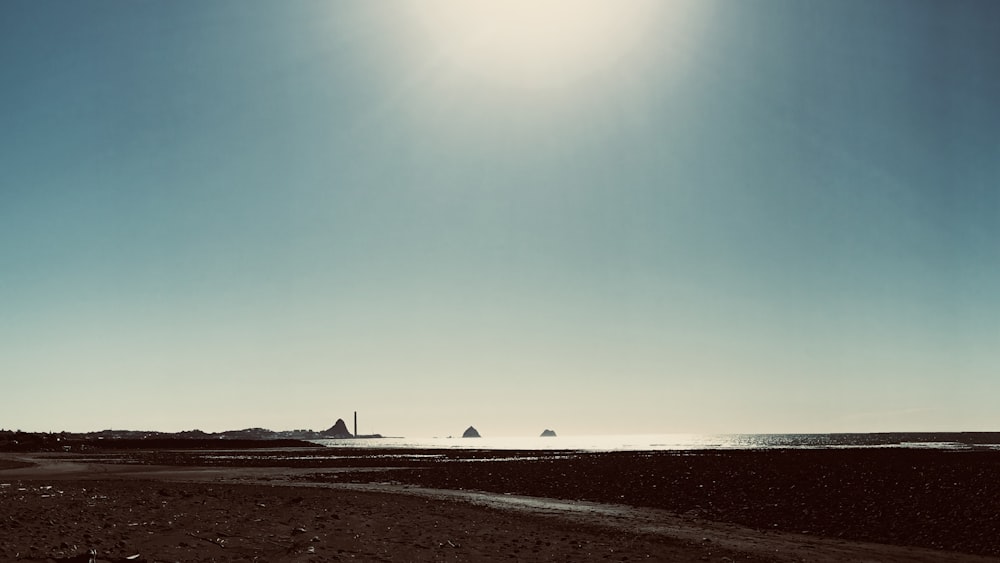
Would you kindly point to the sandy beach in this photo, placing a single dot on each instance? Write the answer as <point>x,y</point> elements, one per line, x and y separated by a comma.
<point>322,505</point>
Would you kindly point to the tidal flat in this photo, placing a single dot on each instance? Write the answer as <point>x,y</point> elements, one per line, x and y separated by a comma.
<point>325,504</point>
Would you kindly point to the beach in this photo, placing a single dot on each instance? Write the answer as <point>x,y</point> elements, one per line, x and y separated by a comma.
<point>309,504</point>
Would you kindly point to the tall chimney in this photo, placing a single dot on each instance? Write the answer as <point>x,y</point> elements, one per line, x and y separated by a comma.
<point>355,424</point>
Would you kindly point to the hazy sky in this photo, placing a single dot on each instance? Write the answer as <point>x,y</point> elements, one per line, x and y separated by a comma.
<point>596,217</point>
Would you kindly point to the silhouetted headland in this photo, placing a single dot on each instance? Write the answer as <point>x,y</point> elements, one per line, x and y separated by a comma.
<point>247,438</point>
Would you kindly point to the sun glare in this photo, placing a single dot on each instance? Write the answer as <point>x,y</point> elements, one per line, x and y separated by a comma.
<point>533,43</point>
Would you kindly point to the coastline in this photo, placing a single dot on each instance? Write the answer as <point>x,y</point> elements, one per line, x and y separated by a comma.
<point>905,505</point>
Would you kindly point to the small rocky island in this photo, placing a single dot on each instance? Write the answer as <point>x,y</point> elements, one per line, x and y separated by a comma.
<point>471,432</point>
<point>548,433</point>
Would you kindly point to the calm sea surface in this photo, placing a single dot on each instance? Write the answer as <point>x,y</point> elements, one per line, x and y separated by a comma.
<point>650,442</point>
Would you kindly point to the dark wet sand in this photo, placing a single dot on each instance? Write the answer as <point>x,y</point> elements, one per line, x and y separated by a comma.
<point>334,505</point>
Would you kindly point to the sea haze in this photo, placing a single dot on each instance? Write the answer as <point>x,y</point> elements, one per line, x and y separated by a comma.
<point>656,442</point>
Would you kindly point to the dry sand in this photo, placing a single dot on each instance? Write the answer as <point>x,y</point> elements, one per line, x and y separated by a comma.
<point>62,505</point>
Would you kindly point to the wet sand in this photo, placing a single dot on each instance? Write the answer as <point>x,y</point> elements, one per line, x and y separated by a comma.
<point>308,505</point>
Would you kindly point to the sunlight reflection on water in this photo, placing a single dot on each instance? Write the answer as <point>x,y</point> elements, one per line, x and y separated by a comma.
<point>657,442</point>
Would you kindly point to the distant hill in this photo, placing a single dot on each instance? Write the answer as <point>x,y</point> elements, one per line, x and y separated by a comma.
<point>471,432</point>
<point>338,430</point>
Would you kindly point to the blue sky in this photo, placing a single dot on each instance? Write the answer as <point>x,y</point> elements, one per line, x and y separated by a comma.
<point>765,216</point>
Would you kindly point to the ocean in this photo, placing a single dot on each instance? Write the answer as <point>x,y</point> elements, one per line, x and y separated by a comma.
<point>681,442</point>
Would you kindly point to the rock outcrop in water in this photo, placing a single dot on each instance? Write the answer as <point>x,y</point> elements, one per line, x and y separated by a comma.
<point>471,432</point>
<point>338,430</point>
<point>548,433</point>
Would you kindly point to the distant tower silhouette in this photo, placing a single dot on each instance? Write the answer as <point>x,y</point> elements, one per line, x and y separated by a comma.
<point>355,424</point>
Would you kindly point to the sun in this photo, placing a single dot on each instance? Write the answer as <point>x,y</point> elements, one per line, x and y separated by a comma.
<point>533,43</point>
